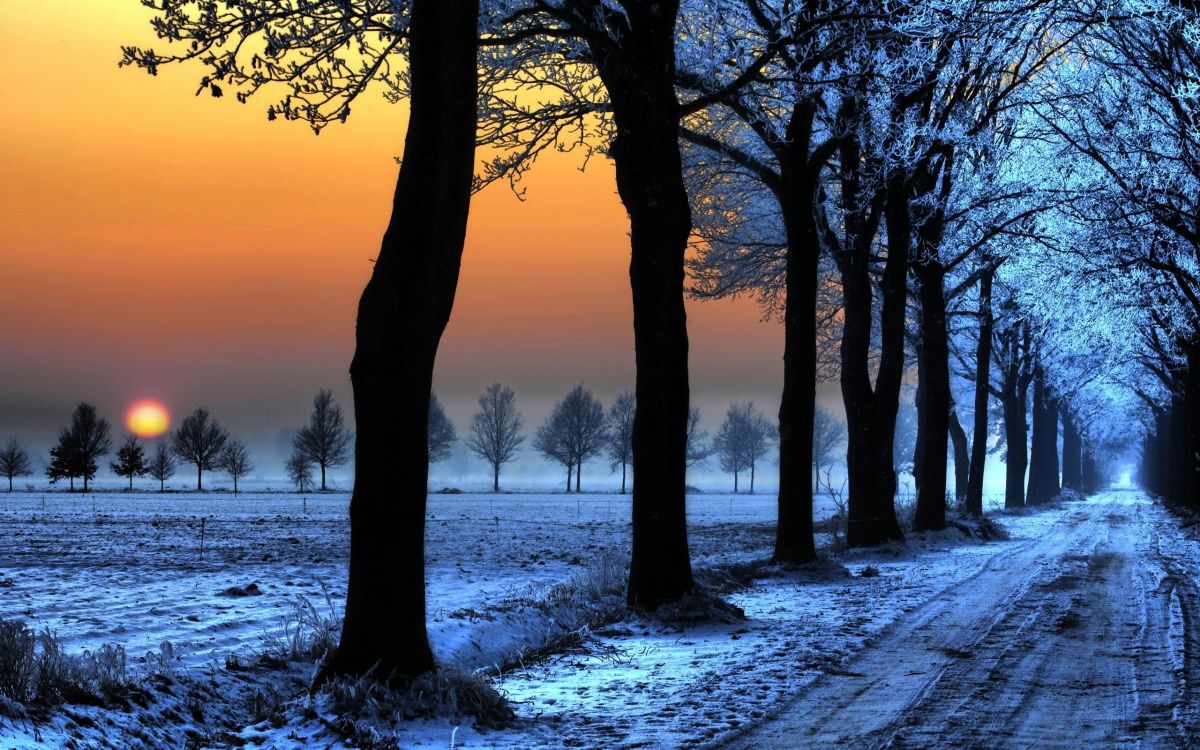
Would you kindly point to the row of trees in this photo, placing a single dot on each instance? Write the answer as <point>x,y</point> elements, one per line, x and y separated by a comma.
<point>968,187</point>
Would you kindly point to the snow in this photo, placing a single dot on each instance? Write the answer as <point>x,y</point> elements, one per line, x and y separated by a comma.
<point>131,572</point>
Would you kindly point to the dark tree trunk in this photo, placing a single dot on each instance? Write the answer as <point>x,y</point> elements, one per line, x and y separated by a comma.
<point>496,478</point>
<point>1043,458</point>
<point>735,482</point>
<point>323,478</point>
<point>751,477</point>
<point>983,363</point>
<point>570,469</point>
<point>578,474</point>
<point>934,363</point>
<point>639,75</point>
<point>1091,473</point>
<point>1017,459</point>
<point>623,465</point>
<point>962,459</point>
<point>1072,452</point>
<point>401,317</point>
<point>794,541</point>
<point>199,477</point>
<point>871,412</point>
<point>162,485</point>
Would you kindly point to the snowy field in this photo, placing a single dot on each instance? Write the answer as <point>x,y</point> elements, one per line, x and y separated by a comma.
<point>129,569</point>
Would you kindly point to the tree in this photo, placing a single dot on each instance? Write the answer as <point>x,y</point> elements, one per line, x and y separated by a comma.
<point>299,471</point>
<point>742,441</point>
<point>496,429</point>
<point>235,461</point>
<point>162,465</point>
<point>441,431</point>
<point>324,441</point>
<point>14,462</point>
<point>620,432</point>
<point>131,460</point>
<point>80,447</point>
<point>199,440</point>
<point>332,51</point>
<point>574,432</point>
<point>829,434</point>
<point>698,446</point>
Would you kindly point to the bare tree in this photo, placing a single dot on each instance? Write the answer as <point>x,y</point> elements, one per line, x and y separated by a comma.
<point>325,441</point>
<point>199,440</point>
<point>829,434</point>
<point>131,460</point>
<point>620,432</point>
<point>299,470</point>
<point>80,447</point>
<point>14,462</point>
<point>235,461</point>
<point>574,432</point>
<point>698,446</point>
<point>162,465</point>
<point>743,440</point>
<point>496,429</point>
<point>441,431</point>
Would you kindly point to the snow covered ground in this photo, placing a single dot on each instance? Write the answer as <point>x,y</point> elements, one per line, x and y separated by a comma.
<point>130,571</point>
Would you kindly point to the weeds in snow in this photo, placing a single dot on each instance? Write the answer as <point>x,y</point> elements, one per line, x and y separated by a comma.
<point>35,670</point>
<point>306,634</point>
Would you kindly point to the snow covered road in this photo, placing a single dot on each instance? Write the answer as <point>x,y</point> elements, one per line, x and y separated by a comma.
<point>1085,637</point>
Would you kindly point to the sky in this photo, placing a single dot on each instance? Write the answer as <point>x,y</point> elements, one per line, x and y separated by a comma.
<point>157,244</point>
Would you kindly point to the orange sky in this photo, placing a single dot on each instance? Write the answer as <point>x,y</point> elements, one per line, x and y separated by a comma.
<point>159,244</point>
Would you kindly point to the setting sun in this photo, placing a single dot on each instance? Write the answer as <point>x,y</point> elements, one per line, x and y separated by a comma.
<point>147,419</point>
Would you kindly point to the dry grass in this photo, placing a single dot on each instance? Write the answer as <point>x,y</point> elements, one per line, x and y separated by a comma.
<point>36,671</point>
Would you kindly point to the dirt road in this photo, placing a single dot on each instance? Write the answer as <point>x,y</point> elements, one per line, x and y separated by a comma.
<point>1085,638</point>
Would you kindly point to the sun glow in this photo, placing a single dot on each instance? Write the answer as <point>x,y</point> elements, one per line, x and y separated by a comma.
<point>147,419</point>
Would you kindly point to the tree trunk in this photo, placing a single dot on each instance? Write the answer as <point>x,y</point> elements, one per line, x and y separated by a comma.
<point>1017,457</point>
<point>402,314</point>
<point>639,76</point>
<point>578,474</point>
<point>794,541</point>
<point>735,482</point>
<point>570,469</point>
<point>323,489</point>
<point>1072,452</point>
<point>199,477</point>
<point>162,485</point>
<point>751,477</point>
<point>871,412</point>
<point>623,466</point>
<point>1043,458</point>
<point>962,460</point>
<point>983,363</point>
<point>934,364</point>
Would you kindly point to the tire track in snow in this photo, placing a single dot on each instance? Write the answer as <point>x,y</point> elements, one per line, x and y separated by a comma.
<point>1065,641</point>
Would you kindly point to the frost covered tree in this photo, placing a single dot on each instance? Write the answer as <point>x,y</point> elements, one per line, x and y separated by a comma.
<point>199,440</point>
<point>14,462</point>
<point>496,429</point>
<point>131,460</point>
<point>161,466</point>
<point>620,433</point>
<point>441,431</point>
<point>235,461</point>
<point>325,441</point>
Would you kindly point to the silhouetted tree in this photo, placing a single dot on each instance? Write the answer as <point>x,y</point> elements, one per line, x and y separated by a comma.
<point>574,432</point>
<point>405,307</point>
<point>235,461</point>
<point>620,432</point>
<point>698,446</point>
<point>829,434</point>
<point>199,440</point>
<point>324,441</point>
<point>14,462</point>
<point>162,465</point>
<point>299,470</point>
<point>441,431</point>
<point>496,429</point>
<point>80,447</point>
<point>131,460</point>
